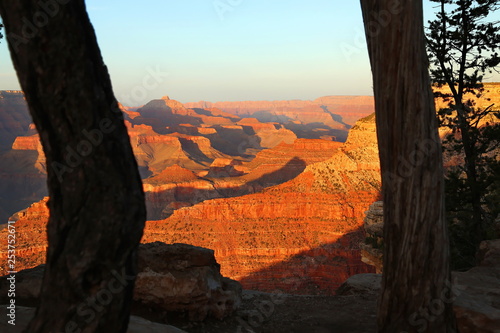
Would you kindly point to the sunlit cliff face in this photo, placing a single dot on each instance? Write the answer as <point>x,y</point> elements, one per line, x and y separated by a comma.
<point>280,212</point>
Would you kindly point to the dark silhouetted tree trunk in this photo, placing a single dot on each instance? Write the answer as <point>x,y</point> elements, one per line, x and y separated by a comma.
<point>416,295</point>
<point>96,204</point>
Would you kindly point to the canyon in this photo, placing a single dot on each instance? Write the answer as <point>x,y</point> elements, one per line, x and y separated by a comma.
<point>206,141</point>
<point>284,193</point>
<point>281,212</point>
<point>301,236</point>
<point>22,177</point>
<point>339,112</point>
<point>266,185</point>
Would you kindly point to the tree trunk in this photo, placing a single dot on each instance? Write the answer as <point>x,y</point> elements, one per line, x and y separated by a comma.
<point>416,290</point>
<point>97,209</point>
<point>469,142</point>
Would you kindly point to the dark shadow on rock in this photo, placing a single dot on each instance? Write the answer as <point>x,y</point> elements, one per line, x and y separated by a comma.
<point>319,271</point>
<point>338,118</point>
<point>269,117</point>
<point>290,170</point>
<point>210,113</point>
<point>21,183</point>
<point>248,130</point>
<point>235,141</point>
<point>161,117</point>
<point>316,131</point>
<point>183,196</point>
<point>193,150</point>
<point>14,117</point>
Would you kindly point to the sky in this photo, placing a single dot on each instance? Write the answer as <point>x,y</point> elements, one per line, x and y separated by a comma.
<point>227,50</point>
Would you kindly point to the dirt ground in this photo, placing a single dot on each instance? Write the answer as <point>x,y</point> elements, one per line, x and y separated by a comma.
<point>271,313</point>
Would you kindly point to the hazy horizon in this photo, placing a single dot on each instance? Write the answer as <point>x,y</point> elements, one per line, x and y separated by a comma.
<point>222,50</point>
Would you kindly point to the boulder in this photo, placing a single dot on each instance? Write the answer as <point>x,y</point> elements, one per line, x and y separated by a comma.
<point>477,306</point>
<point>184,278</point>
<point>360,284</point>
<point>476,292</point>
<point>371,248</point>
<point>374,219</point>
<point>172,278</point>
<point>489,253</point>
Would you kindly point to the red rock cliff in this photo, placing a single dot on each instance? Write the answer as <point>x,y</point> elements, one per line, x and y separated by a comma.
<point>301,236</point>
<point>260,238</point>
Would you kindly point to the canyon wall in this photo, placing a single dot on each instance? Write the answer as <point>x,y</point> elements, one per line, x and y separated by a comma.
<point>337,112</point>
<point>14,117</point>
<point>280,212</point>
<point>22,179</point>
<point>328,117</point>
<point>299,236</point>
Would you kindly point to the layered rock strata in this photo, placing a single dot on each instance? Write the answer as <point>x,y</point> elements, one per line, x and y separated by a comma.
<point>301,236</point>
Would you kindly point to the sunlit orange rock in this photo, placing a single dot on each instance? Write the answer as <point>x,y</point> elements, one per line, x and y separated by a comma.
<point>310,225</point>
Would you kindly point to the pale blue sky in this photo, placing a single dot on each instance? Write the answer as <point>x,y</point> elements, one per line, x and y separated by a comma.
<point>251,50</point>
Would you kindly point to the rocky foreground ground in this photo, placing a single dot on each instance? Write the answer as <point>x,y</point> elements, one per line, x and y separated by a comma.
<point>266,313</point>
<point>186,278</point>
<point>476,298</point>
<point>260,313</point>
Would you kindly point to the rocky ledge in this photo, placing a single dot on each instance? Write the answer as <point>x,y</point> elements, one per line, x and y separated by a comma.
<point>176,278</point>
<point>476,293</point>
<point>371,248</point>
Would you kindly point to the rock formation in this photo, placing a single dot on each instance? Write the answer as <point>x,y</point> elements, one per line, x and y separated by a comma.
<point>31,237</point>
<point>371,248</point>
<point>311,221</point>
<point>14,117</point>
<point>304,111</point>
<point>477,304</point>
<point>173,188</point>
<point>165,112</point>
<point>22,175</point>
<point>163,133</point>
<point>492,94</point>
<point>360,284</point>
<point>347,109</point>
<point>177,187</point>
<point>260,238</point>
<point>172,278</point>
<point>475,294</point>
<point>307,119</point>
<point>184,278</point>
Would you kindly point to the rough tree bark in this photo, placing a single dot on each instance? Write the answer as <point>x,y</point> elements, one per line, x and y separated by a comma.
<point>97,209</point>
<point>416,291</point>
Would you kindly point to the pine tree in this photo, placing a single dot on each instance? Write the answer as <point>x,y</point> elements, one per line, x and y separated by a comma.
<point>463,48</point>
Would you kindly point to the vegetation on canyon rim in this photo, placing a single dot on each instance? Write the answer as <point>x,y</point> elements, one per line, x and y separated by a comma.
<point>463,48</point>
